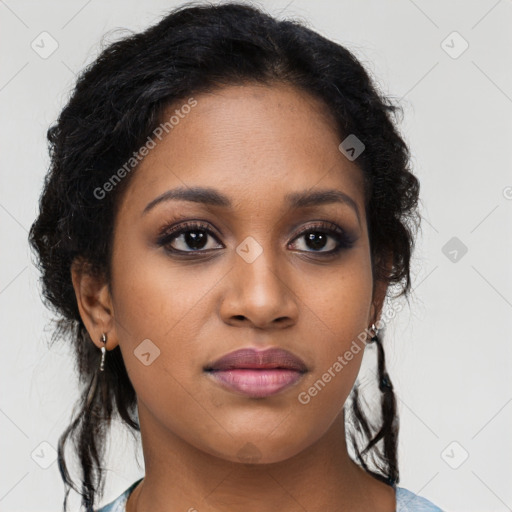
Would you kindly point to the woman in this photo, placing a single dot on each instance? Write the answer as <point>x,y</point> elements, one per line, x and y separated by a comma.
<point>228,206</point>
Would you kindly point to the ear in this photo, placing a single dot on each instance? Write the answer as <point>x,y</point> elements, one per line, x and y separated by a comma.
<point>94,303</point>
<point>379,294</point>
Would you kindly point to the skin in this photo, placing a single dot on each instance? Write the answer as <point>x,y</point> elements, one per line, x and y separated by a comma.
<point>255,144</point>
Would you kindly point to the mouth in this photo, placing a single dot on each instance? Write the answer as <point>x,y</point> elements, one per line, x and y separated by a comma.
<point>257,373</point>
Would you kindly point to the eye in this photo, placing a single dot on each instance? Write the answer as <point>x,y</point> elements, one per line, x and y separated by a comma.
<point>325,238</point>
<point>192,235</point>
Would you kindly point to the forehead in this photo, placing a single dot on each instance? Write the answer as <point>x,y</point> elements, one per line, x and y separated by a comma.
<point>257,143</point>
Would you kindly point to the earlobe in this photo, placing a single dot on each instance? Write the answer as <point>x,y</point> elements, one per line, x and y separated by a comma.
<point>94,304</point>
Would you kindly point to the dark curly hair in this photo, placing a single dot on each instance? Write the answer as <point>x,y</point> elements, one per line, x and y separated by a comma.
<point>118,101</point>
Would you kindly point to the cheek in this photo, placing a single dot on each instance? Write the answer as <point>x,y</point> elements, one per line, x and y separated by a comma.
<point>159,308</point>
<point>338,302</point>
<point>154,296</point>
<point>336,311</point>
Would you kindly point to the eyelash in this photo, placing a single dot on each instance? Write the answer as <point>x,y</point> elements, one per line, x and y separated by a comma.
<point>344,240</point>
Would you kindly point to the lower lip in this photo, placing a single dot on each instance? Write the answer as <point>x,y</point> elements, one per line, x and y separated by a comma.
<point>256,383</point>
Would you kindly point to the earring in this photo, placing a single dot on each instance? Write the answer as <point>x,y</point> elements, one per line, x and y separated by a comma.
<point>103,350</point>
<point>374,337</point>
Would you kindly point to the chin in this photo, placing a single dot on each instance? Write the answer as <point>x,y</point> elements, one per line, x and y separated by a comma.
<point>254,452</point>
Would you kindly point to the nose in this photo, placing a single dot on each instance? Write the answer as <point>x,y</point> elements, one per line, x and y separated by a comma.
<point>259,295</point>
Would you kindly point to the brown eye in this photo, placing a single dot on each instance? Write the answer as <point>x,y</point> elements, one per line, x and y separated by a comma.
<point>318,240</point>
<point>325,239</point>
<point>187,238</point>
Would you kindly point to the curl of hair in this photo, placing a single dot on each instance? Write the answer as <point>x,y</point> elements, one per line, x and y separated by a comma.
<point>120,99</point>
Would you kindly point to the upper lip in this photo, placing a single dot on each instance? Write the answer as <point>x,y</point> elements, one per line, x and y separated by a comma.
<point>258,359</point>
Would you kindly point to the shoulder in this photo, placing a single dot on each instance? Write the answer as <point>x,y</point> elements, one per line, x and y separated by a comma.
<point>407,501</point>
<point>119,504</point>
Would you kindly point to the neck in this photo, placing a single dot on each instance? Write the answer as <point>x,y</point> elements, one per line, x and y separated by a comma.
<point>321,477</point>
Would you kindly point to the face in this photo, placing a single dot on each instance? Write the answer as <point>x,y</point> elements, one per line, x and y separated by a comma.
<point>193,281</point>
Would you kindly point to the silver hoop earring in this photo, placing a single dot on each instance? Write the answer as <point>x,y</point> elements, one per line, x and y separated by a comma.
<point>103,351</point>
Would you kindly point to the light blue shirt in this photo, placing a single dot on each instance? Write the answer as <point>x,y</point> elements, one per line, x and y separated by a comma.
<point>406,501</point>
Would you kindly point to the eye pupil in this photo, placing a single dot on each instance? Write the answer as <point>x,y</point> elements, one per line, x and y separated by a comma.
<point>315,237</point>
<point>195,239</point>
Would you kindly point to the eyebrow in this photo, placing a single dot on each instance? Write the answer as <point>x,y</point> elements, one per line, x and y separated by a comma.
<point>210,196</point>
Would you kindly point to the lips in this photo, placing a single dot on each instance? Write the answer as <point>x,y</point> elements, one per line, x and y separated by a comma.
<point>255,373</point>
<point>253,359</point>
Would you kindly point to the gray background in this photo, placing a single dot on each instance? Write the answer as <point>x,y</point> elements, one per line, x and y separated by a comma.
<point>449,353</point>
